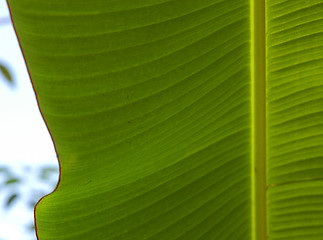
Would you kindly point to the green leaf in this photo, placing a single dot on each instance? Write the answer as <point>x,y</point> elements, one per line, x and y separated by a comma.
<point>12,181</point>
<point>179,119</point>
<point>295,113</point>
<point>11,199</point>
<point>46,172</point>
<point>5,72</point>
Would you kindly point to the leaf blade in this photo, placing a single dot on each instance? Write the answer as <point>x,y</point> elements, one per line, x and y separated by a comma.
<point>150,159</point>
<point>295,112</point>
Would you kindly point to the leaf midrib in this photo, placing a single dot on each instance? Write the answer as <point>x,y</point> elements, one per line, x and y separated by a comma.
<point>258,93</point>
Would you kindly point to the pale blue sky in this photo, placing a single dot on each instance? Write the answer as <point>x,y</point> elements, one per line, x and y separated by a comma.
<point>24,139</point>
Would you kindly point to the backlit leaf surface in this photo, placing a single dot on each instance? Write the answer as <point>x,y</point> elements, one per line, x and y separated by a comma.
<point>150,106</point>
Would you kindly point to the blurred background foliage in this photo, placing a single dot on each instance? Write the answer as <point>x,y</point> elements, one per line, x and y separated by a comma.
<point>27,184</point>
<point>22,181</point>
<point>6,73</point>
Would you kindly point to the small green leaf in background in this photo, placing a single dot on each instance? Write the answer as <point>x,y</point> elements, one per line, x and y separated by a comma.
<point>6,73</point>
<point>46,172</point>
<point>12,180</point>
<point>11,199</point>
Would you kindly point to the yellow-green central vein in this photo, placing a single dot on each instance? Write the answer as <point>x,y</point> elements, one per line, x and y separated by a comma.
<point>258,73</point>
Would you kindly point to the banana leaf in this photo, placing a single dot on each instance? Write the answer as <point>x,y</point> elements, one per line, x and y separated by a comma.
<point>179,119</point>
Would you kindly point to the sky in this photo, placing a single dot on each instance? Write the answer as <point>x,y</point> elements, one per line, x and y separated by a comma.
<point>24,140</point>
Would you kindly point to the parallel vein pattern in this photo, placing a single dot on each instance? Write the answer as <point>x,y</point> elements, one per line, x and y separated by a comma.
<point>295,119</point>
<point>148,103</point>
